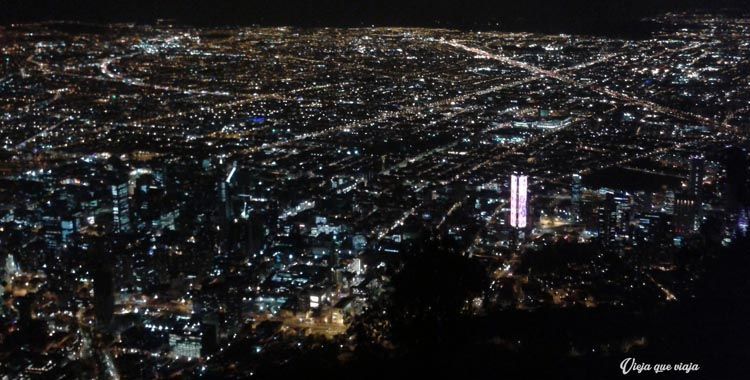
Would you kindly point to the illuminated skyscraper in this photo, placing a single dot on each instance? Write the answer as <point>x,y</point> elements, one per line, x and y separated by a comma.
<point>742,223</point>
<point>622,212</point>
<point>121,208</point>
<point>688,206</point>
<point>225,191</point>
<point>607,221</point>
<point>518,200</point>
<point>575,197</point>
<point>697,170</point>
<point>686,214</point>
<point>11,268</point>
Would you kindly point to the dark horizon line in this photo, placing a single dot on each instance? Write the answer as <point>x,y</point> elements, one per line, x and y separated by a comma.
<point>551,15</point>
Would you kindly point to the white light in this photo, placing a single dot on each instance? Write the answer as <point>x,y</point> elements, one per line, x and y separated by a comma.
<point>231,173</point>
<point>518,190</point>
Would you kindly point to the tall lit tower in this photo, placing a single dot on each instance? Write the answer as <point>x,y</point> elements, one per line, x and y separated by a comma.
<point>224,190</point>
<point>121,208</point>
<point>11,268</point>
<point>575,196</point>
<point>697,170</point>
<point>607,221</point>
<point>518,200</point>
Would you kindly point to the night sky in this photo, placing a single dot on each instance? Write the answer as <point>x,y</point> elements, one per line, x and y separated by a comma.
<point>550,16</point>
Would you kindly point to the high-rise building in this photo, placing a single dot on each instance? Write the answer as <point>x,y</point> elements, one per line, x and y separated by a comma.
<point>686,216</point>
<point>687,205</point>
<point>209,334</point>
<point>11,268</point>
<point>52,232</point>
<point>575,197</point>
<point>697,171</point>
<point>607,221</point>
<point>518,200</point>
<point>185,346</point>
<point>67,228</point>
<point>121,208</point>
<point>737,186</point>
<point>104,296</point>
<point>623,211</point>
<point>654,228</point>
<point>668,204</point>
<point>742,223</point>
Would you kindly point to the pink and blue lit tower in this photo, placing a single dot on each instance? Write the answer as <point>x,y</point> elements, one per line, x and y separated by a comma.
<point>518,200</point>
